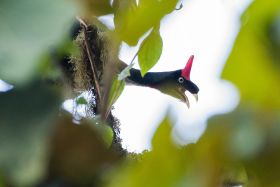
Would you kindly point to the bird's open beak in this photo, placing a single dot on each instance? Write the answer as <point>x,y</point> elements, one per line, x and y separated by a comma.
<point>178,92</point>
<point>184,97</point>
<point>196,97</point>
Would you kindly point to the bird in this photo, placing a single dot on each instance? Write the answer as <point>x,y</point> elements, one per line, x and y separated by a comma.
<point>172,83</point>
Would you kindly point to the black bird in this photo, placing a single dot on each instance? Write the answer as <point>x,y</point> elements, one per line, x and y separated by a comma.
<point>173,83</point>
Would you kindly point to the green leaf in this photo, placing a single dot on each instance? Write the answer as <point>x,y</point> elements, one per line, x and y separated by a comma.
<point>133,21</point>
<point>105,131</point>
<point>162,138</point>
<point>250,136</point>
<point>26,119</point>
<point>150,51</point>
<point>81,101</point>
<point>78,153</point>
<point>2,181</point>
<point>28,28</point>
<point>207,163</point>
<point>115,91</point>
<point>254,64</point>
<point>97,7</point>
<point>161,167</point>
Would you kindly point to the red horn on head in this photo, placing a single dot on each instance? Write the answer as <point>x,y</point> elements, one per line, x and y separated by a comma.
<point>187,70</point>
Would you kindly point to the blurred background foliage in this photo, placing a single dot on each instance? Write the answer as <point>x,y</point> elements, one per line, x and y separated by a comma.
<point>41,145</point>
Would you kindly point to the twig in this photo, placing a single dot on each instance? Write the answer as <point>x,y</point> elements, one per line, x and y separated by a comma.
<point>136,54</point>
<point>180,7</point>
<point>91,60</point>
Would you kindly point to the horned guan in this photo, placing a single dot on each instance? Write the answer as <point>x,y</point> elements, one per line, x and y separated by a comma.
<point>173,83</point>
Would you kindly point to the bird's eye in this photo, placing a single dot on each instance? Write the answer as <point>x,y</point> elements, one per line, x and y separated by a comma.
<point>181,80</point>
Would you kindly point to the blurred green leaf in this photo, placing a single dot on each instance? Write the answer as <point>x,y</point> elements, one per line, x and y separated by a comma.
<point>97,7</point>
<point>150,51</point>
<point>247,140</point>
<point>204,164</point>
<point>105,131</point>
<point>250,136</point>
<point>162,139</point>
<point>253,65</point>
<point>2,181</point>
<point>236,130</point>
<point>124,9</point>
<point>132,21</point>
<point>26,118</point>
<point>78,154</point>
<point>27,29</point>
<point>157,168</point>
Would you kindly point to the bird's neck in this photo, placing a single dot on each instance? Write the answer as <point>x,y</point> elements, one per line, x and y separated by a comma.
<point>151,79</point>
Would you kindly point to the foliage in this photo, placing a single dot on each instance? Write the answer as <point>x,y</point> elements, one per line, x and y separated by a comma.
<point>41,145</point>
<point>132,20</point>
<point>29,28</point>
<point>150,51</point>
<point>26,119</point>
<point>256,51</point>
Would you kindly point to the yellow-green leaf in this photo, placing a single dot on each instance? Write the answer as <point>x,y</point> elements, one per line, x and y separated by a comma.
<point>115,91</point>
<point>254,63</point>
<point>162,139</point>
<point>150,51</point>
<point>97,7</point>
<point>133,21</point>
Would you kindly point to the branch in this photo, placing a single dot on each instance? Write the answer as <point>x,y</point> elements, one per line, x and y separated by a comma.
<point>92,64</point>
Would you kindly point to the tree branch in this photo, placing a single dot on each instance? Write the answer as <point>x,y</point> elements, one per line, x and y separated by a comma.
<point>92,64</point>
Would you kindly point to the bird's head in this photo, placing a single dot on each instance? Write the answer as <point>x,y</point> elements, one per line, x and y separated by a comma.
<point>178,82</point>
